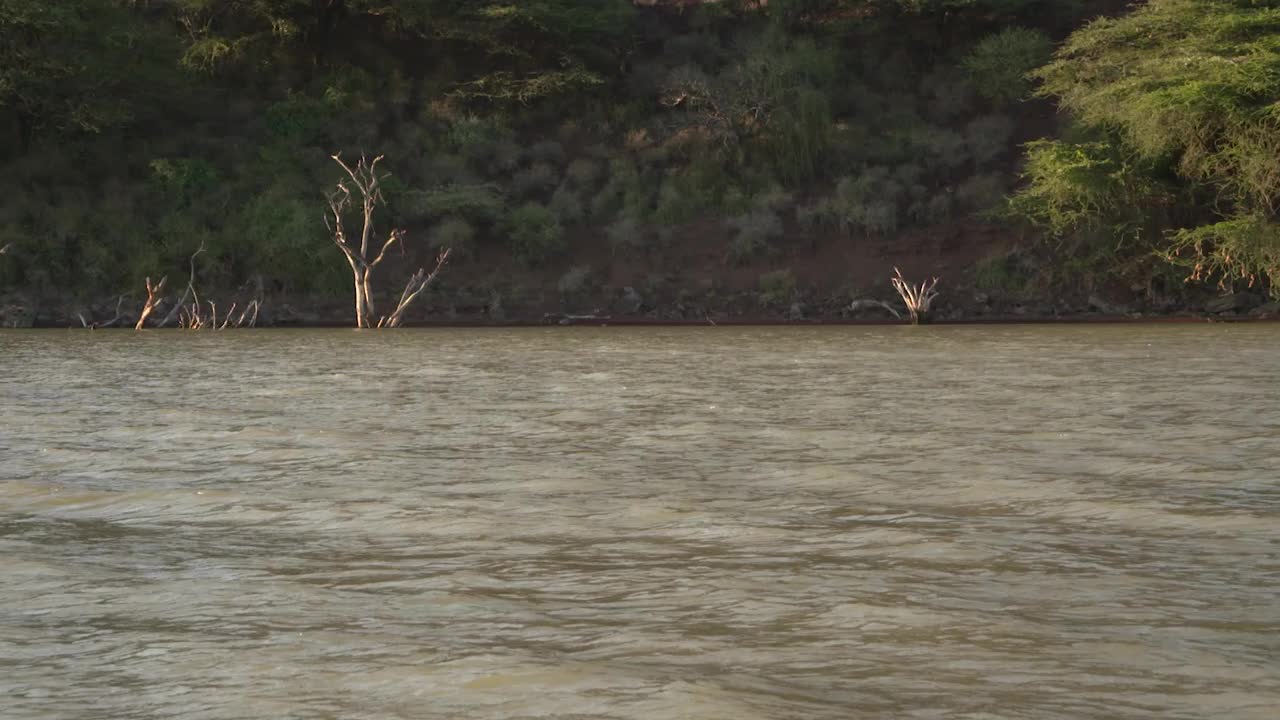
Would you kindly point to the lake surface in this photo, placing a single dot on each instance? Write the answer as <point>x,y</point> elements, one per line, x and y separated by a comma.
<point>959,522</point>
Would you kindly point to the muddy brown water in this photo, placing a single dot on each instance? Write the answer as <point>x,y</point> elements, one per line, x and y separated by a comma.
<point>649,523</point>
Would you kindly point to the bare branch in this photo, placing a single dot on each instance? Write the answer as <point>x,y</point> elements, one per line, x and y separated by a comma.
<point>392,239</point>
<point>918,298</point>
<point>191,288</point>
<point>419,282</point>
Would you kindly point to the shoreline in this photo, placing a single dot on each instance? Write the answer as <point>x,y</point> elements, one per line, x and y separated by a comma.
<point>26,311</point>
<point>732,322</point>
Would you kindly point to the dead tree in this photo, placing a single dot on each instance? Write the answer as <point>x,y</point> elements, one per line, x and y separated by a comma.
<point>918,298</point>
<point>368,184</point>
<point>153,297</point>
<point>363,181</point>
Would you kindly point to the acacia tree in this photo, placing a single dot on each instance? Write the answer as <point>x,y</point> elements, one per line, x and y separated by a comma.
<point>363,181</point>
<point>1181,93</point>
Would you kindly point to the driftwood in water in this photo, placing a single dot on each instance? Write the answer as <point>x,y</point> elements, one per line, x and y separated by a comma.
<point>866,304</point>
<point>918,298</point>
<point>567,319</point>
<point>191,289</point>
<point>197,314</point>
<point>153,297</point>
<point>109,323</point>
<point>417,283</point>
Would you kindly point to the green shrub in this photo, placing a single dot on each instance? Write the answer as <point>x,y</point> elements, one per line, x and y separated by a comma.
<point>774,199</point>
<point>478,203</point>
<point>982,193</point>
<point>567,205</point>
<point>584,171</point>
<point>574,281</point>
<point>185,179</point>
<point>987,138</point>
<point>449,169</point>
<point>682,198</point>
<point>756,231</point>
<point>999,273</point>
<point>453,232</point>
<point>777,287</point>
<point>943,149</point>
<point>298,119</point>
<point>869,202</point>
<point>947,93</point>
<point>547,151</point>
<point>932,210</point>
<point>534,233</point>
<point>535,181</point>
<point>1000,63</point>
<point>625,236</point>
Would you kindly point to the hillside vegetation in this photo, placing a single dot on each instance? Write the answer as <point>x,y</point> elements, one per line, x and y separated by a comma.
<point>696,153</point>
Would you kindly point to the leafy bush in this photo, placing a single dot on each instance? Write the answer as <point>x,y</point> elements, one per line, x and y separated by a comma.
<point>868,202</point>
<point>625,236</point>
<point>931,210</point>
<point>756,230</point>
<point>774,199</point>
<point>1085,186</point>
<point>547,151</point>
<point>455,233</point>
<point>777,287</point>
<point>982,193</point>
<point>682,198</point>
<point>943,149</point>
<point>567,205</point>
<point>479,203</point>
<point>534,233</point>
<point>947,93</point>
<point>987,138</point>
<point>298,119</point>
<point>1000,63</point>
<point>584,171</point>
<point>535,181</point>
<point>449,169</point>
<point>574,281</point>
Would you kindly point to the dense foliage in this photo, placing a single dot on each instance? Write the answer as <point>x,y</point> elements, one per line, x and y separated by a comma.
<point>132,131</point>
<point>1180,100</point>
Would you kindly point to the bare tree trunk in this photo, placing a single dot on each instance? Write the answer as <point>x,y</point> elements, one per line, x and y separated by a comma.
<point>359,292</point>
<point>366,181</point>
<point>153,297</point>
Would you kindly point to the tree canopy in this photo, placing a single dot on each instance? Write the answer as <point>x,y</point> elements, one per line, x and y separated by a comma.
<point>1187,90</point>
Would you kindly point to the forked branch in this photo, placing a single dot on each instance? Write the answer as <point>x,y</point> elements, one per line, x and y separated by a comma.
<point>153,297</point>
<point>419,282</point>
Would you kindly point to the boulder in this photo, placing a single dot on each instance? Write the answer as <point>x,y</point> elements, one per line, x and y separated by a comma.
<point>1107,307</point>
<point>1233,303</point>
<point>17,314</point>
<point>1267,310</point>
<point>795,312</point>
<point>630,302</point>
